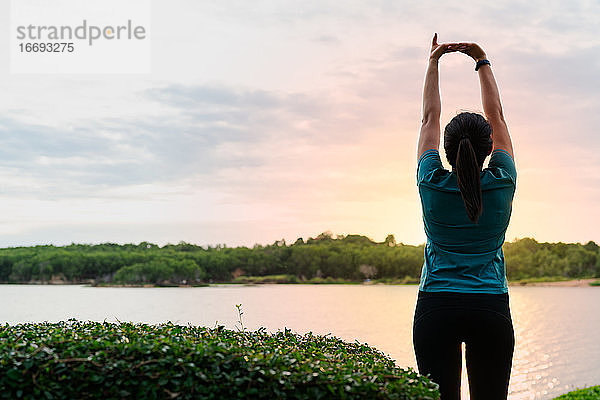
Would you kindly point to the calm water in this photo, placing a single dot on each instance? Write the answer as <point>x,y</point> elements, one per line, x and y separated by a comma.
<point>557,329</point>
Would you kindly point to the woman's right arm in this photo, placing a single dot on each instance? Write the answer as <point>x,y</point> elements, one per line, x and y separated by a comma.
<point>490,98</point>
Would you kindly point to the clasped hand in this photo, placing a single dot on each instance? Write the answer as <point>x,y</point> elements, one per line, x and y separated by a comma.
<point>471,49</point>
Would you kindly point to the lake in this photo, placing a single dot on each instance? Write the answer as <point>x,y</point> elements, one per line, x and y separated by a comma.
<point>556,328</point>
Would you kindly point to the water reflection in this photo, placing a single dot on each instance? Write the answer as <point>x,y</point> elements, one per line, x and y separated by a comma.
<point>556,328</point>
<point>556,347</point>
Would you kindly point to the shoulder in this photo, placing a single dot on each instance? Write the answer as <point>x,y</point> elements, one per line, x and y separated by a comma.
<point>429,167</point>
<point>502,165</point>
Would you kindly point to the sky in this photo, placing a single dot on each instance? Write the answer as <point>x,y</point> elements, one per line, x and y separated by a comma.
<point>270,120</point>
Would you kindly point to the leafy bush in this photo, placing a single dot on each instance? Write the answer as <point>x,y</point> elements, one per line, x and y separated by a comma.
<point>592,393</point>
<point>159,271</point>
<point>75,359</point>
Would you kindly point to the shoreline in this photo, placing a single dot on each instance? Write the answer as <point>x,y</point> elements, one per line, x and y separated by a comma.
<point>587,282</point>
<point>567,283</point>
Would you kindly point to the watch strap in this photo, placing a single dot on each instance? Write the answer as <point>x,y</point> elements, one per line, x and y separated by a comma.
<point>481,63</point>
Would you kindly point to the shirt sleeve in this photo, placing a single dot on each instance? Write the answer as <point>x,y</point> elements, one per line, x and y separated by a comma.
<point>501,159</point>
<point>428,162</point>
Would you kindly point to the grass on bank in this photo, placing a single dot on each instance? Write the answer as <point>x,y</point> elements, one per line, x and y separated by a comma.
<point>541,279</point>
<point>316,280</point>
<point>288,279</point>
<point>591,393</point>
<point>292,279</point>
<point>75,359</point>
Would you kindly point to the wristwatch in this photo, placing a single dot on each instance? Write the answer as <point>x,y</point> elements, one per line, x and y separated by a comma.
<point>481,63</point>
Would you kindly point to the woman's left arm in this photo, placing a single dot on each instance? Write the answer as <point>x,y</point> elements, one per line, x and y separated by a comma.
<point>429,137</point>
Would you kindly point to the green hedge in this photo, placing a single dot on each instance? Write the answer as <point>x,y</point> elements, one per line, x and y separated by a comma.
<point>592,393</point>
<point>75,359</point>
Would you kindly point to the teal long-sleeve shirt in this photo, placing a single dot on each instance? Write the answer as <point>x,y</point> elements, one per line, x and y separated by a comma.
<point>461,256</point>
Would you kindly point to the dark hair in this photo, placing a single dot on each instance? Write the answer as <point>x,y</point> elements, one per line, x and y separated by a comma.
<point>467,142</point>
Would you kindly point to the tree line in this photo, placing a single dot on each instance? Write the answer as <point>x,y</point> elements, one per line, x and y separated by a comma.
<point>325,257</point>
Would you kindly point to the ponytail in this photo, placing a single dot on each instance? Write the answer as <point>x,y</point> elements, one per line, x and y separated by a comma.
<point>468,178</point>
<point>468,141</point>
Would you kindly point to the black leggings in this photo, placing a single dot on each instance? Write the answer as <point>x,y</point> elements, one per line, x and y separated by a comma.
<point>443,320</point>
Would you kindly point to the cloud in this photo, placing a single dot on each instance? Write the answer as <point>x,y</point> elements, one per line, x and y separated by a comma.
<point>212,128</point>
<point>327,39</point>
<point>572,73</point>
<point>304,145</point>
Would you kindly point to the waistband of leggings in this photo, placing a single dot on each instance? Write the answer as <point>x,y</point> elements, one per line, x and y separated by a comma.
<point>465,296</point>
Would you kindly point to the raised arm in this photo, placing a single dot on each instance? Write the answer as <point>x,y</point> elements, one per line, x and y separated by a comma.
<point>490,98</point>
<point>429,136</point>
